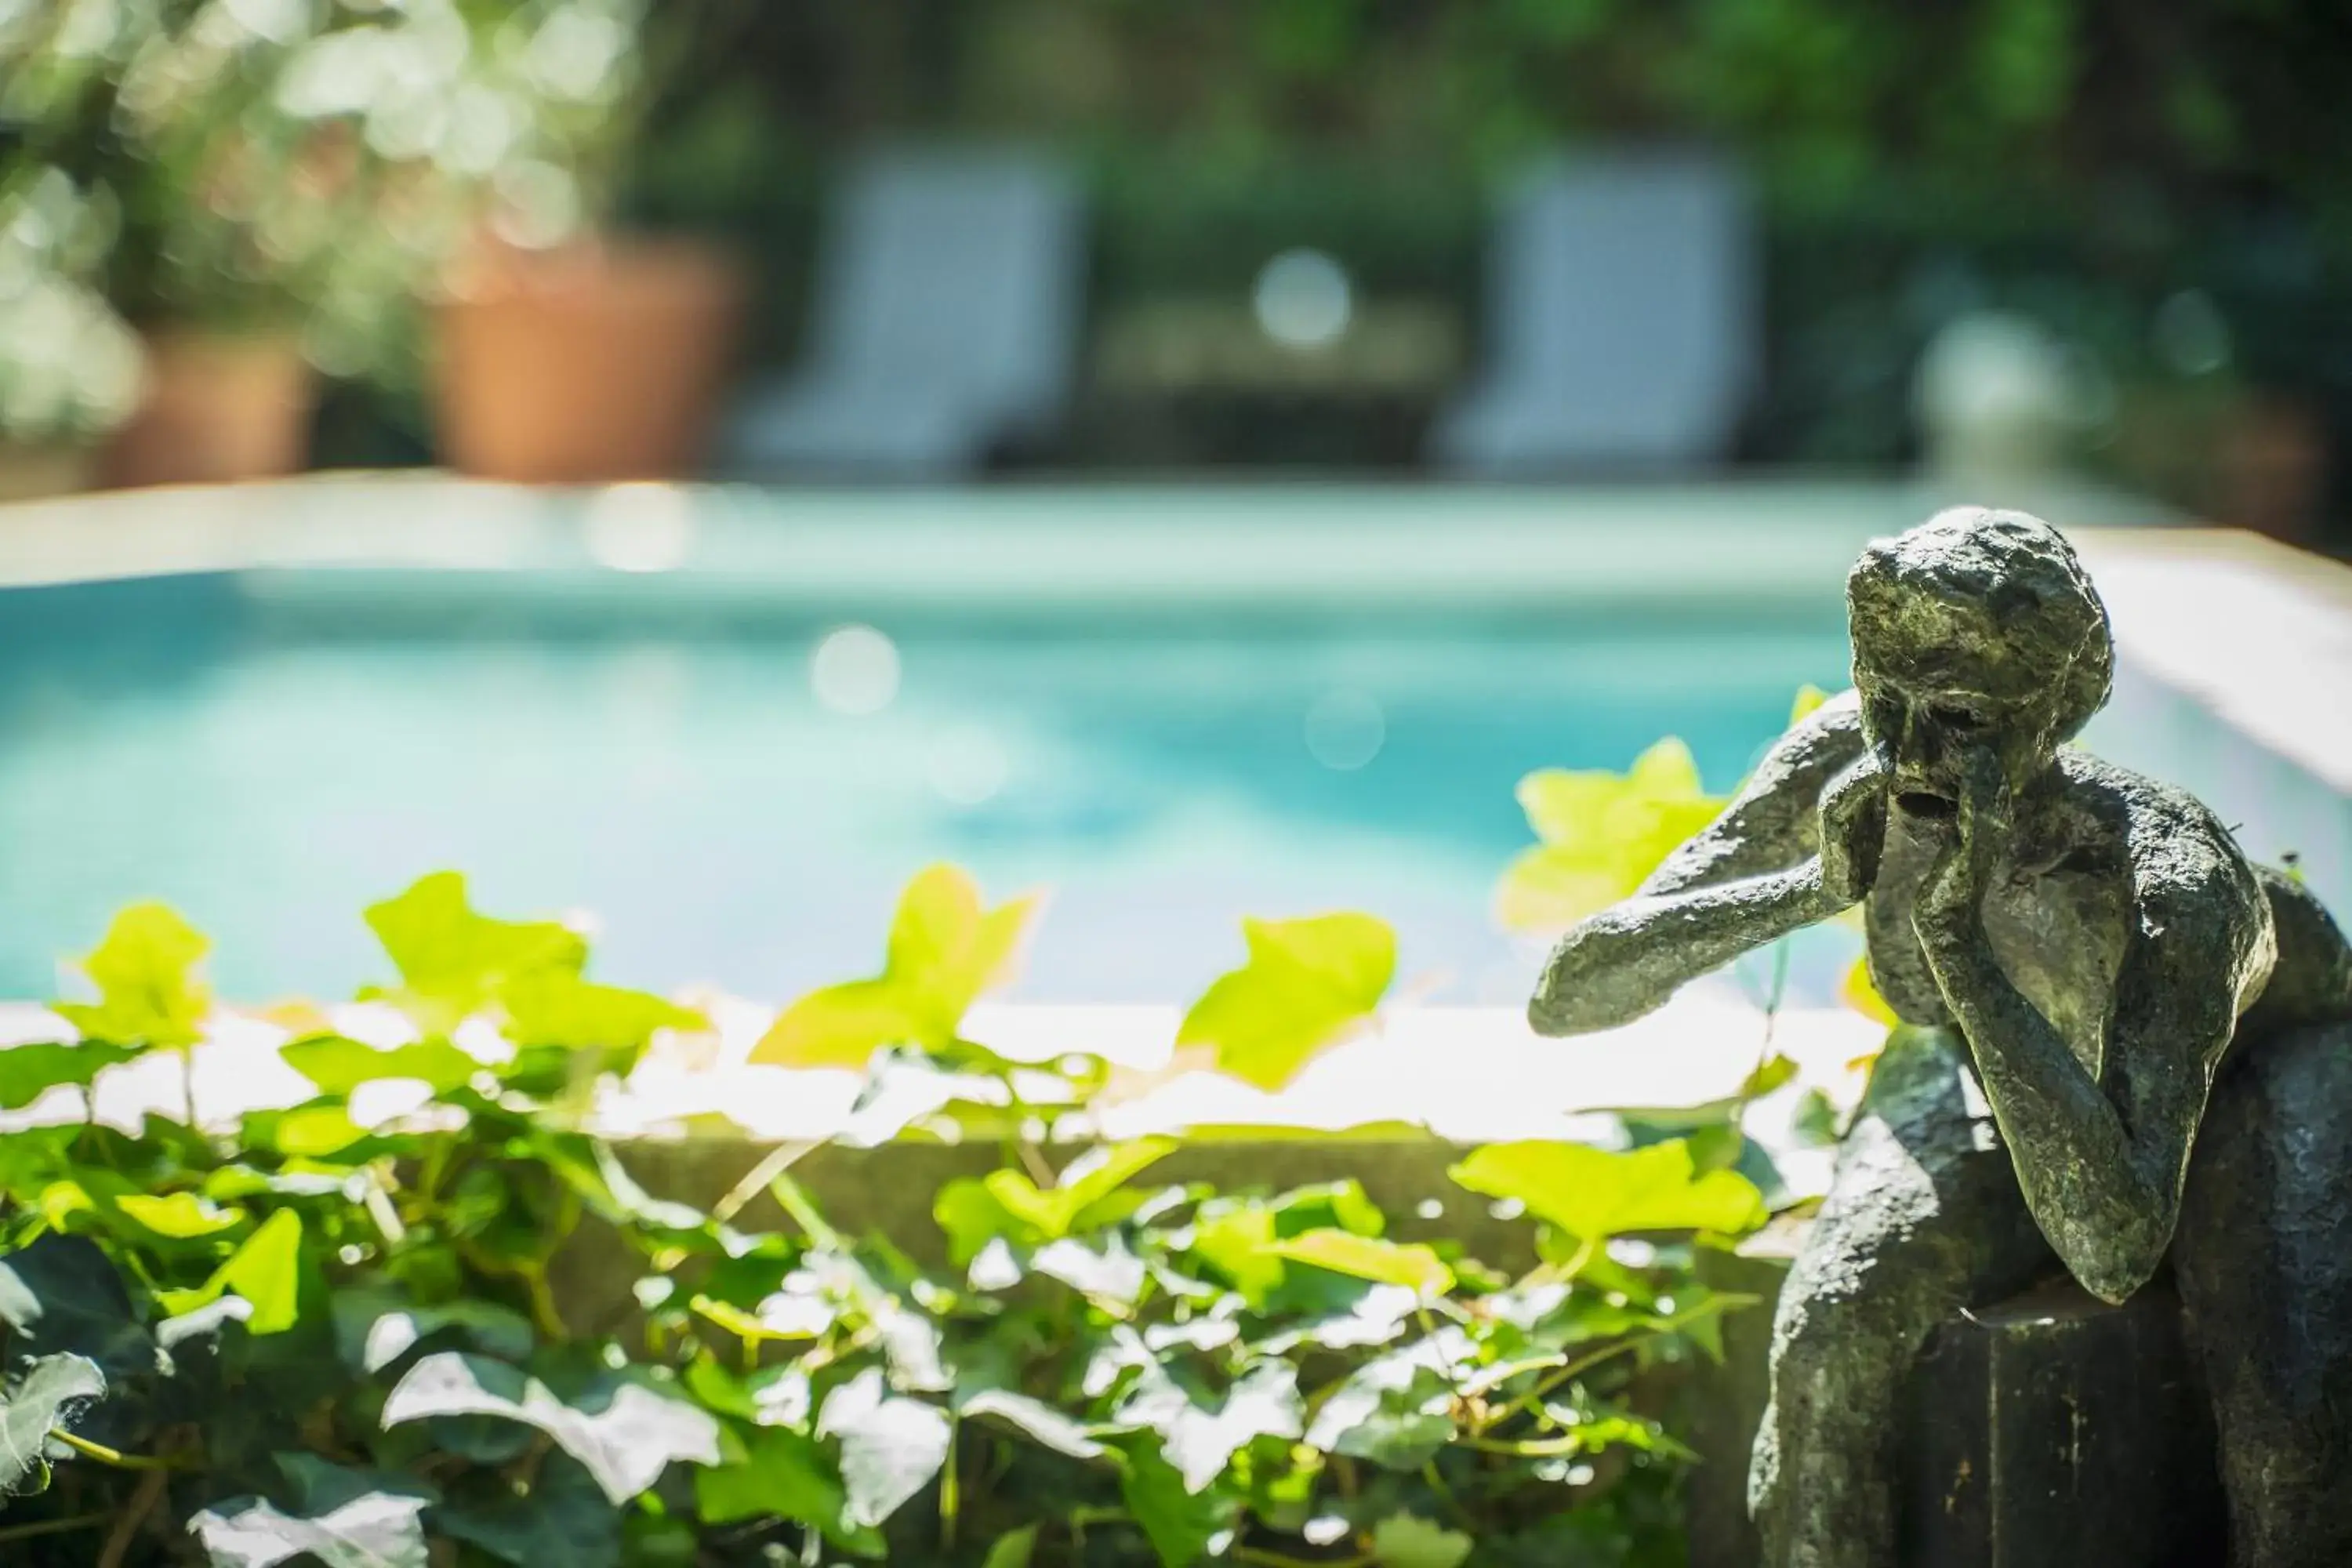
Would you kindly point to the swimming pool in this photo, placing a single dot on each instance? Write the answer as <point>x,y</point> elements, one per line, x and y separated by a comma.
<point>739,807</point>
<point>731,725</point>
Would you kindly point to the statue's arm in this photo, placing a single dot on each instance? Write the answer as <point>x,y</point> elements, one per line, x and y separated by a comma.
<point>1752,875</point>
<point>2102,1163</point>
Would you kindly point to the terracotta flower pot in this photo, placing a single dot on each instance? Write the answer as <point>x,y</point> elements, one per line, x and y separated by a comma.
<point>594,363</point>
<point>218,406</point>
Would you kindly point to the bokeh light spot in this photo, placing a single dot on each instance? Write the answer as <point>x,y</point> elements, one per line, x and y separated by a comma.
<point>1303,300</point>
<point>854,670</point>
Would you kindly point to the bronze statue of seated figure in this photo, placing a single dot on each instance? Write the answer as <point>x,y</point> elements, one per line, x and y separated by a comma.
<point>2128,1048</point>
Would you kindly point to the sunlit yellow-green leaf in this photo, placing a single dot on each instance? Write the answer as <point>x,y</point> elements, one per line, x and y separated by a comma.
<point>1809,698</point>
<point>151,990</point>
<point>1859,992</point>
<point>946,948</point>
<point>554,1008</point>
<point>1239,1244</point>
<point>1369,1257</point>
<point>180,1215</point>
<point>1309,985</point>
<point>1595,1194</point>
<point>1006,1203</point>
<point>338,1066</point>
<point>1407,1540</point>
<point>453,960</point>
<point>267,1270</point>
<point>1600,834</point>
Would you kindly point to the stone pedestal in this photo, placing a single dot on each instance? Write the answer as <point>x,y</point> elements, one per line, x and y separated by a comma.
<point>2053,1431</point>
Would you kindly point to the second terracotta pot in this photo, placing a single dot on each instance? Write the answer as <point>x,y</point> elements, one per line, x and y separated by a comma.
<point>218,406</point>
<point>594,363</point>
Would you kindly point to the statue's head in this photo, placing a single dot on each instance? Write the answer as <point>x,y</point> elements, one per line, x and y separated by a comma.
<point>1977,629</point>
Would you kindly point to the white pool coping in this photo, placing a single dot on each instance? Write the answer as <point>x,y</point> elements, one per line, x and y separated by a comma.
<point>1041,546</point>
<point>1464,1075</point>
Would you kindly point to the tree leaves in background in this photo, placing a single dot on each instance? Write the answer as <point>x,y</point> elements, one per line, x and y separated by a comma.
<point>151,990</point>
<point>1309,985</point>
<point>1600,834</point>
<point>49,1394</point>
<point>625,1433</point>
<point>454,961</point>
<point>946,948</point>
<point>1595,1194</point>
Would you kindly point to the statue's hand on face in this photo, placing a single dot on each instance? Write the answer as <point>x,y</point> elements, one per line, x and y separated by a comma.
<point>1853,829</point>
<point>1969,845</point>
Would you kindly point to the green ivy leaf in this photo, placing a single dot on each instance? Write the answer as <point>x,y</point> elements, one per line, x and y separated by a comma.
<point>454,961</point>
<point>1393,1410</point>
<point>338,1066</point>
<point>1595,1194</point>
<point>50,1392</point>
<point>151,992</point>
<point>376,1329</point>
<point>562,1010</point>
<point>561,1516</point>
<point>1309,985</point>
<point>1200,1442</point>
<point>1178,1520</point>
<point>1237,1244</point>
<point>1035,1419</point>
<point>1006,1203</point>
<point>29,1071</point>
<point>1012,1549</point>
<point>267,1271</point>
<point>1407,1540</point>
<point>1370,1258</point>
<point>60,1294</point>
<point>783,1474</point>
<point>373,1530</point>
<point>945,950</point>
<point>625,1433</point>
<point>1601,834</point>
<point>890,1447</point>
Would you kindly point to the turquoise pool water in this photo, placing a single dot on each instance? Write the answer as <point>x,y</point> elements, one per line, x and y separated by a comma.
<point>738,807</point>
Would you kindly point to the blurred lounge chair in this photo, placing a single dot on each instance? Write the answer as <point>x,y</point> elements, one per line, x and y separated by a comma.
<point>1620,321</point>
<point>947,301</point>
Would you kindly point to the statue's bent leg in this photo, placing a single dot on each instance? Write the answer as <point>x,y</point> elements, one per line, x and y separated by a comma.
<point>1925,1217</point>
<point>2264,1256</point>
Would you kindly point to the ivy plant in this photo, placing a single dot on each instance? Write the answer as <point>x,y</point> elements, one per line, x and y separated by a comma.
<point>321,1333</point>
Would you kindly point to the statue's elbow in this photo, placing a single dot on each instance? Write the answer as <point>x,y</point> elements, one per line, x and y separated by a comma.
<point>2115,1269</point>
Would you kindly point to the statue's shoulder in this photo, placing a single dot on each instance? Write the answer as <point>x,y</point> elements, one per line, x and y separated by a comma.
<point>2176,848</point>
